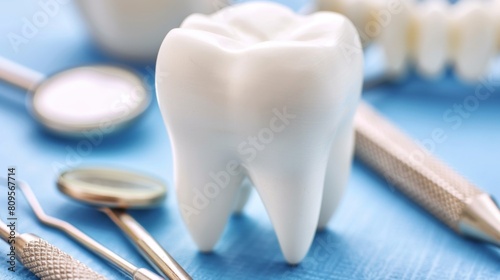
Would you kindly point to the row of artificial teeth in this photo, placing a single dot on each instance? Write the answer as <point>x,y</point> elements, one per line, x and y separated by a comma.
<point>432,34</point>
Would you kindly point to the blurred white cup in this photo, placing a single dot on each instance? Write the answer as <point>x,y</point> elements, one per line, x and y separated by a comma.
<point>134,29</point>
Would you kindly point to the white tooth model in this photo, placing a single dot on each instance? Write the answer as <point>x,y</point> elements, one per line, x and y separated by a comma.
<point>133,29</point>
<point>429,42</point>
<point>257,92</point>
<point>433,33</point>
<point>384,21</point>
<point>473,39</point>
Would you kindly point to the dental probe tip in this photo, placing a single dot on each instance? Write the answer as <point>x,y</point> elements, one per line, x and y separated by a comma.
<point>480,220</point>
<point>433,185</point>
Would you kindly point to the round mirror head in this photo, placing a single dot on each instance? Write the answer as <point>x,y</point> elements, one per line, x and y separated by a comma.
<point>112,188</point>
<point>91,97</point>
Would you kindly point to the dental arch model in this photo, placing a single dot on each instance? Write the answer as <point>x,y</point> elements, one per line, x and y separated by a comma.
<point>432,33</point>
<point>257,93</point>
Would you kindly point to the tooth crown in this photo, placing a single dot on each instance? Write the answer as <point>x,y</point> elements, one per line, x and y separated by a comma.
<point>473,39</point>
<point>432,33</point>
<point>268,98</point>
<point>429,37</point>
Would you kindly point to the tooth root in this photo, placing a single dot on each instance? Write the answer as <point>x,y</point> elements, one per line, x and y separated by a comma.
<point>243,195</point>
<point>337,175</point>
<point>473,39</point>
<point>429,37</point>
<point>291,187</point>
<point>338,170</point>
<point>206,189</point>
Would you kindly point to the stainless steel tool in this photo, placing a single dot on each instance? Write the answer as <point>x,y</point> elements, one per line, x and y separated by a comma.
<point>94,246</point>
<point>45,260</point>
<point>436,187</point>
<point>114,190</point>
<point>98,98</point>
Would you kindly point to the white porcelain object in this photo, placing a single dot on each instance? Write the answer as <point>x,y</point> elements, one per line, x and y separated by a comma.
<point>430,37</point>
<point>383,21</point>
<point>432,33</point>
<point>473,39</point>
<point>358,11</point>
<point>256,91</point>
<point>394,20</point>
<point>134,30</point>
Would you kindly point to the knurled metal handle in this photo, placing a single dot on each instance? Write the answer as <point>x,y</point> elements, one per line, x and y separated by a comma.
<point>410,168</point>
<point>48,262</point>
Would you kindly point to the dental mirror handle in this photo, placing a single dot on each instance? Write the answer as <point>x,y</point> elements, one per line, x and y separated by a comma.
<point>85,240</point>
<point>95,247</point>
<point>45,260</point>
<point>19,75</point>
<point>147,245</point>
<point>414,171</point>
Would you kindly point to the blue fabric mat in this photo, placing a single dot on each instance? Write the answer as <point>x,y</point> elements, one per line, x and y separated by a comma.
<point>376,233</point>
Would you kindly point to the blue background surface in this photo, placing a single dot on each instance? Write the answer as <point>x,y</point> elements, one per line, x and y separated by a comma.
<point>376,233</point>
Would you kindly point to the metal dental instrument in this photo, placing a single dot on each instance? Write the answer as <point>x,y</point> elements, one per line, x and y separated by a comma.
<point>94,246</point>
<point>451,198</point>
<point>45,260</point>
<point>95,98</point>
<point>115,190</point>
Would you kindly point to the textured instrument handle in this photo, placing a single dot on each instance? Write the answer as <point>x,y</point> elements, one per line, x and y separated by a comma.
<point>48,262</point>
<point>411,168</point>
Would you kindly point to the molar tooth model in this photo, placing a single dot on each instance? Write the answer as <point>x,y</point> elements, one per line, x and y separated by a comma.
<point>432,33</point>
<point>255,92</point>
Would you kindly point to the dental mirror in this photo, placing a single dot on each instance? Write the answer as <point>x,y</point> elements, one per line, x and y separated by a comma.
<point>115,190</point>
<point>78,100</point>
